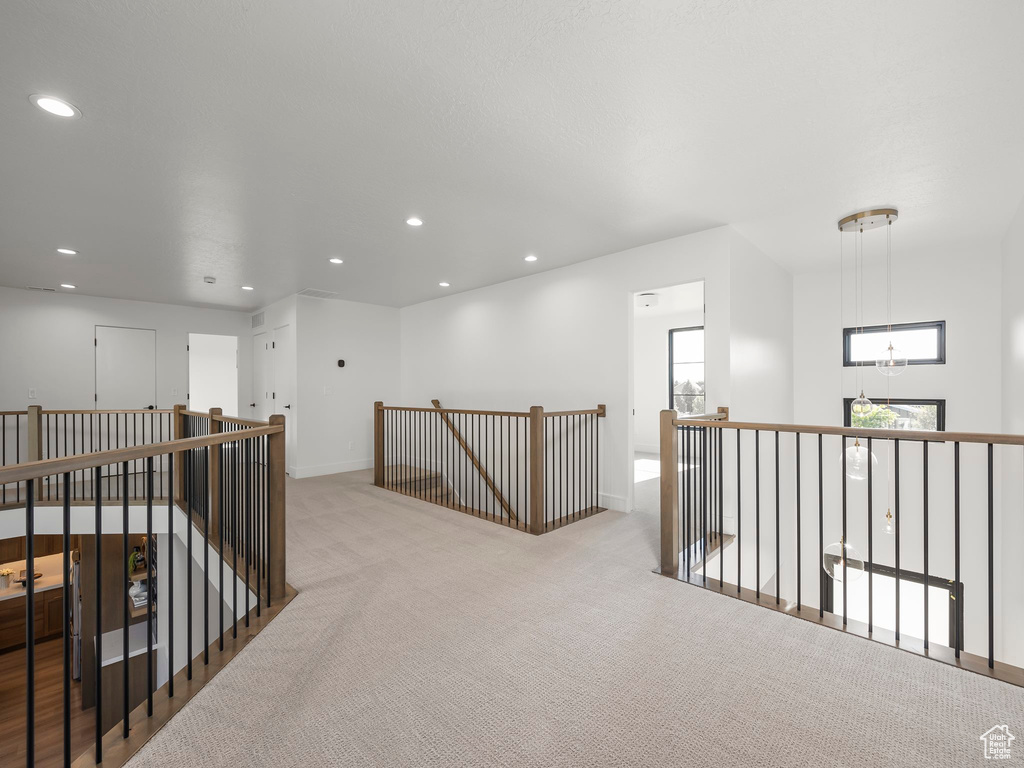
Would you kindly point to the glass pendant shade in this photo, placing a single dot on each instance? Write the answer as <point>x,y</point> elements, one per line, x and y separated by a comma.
<point>893,364</point>
<point>861,406</point>
<point>857,458</point>
<point>888,522</point>
<point>834,557</point>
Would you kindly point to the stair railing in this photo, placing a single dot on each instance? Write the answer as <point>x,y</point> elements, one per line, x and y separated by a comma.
<point>533,471</point>
<point>151,681</point>
<point>888,534</point>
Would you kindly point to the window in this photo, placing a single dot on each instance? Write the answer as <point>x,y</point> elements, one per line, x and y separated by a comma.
<point>922,343</point>
<point>686,369</point>
<point>898,413</point>
<point>945,602</point>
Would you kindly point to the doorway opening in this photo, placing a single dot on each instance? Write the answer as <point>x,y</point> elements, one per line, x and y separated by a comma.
<point>213,373</point>
<point>668,372</point>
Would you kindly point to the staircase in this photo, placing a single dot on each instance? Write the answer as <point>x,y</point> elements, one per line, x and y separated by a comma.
<point>422,483</point>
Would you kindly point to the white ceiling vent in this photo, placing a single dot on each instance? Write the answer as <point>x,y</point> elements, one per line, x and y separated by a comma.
<point>316,293</point>
<point>257,320</point>
<point>647,300</point>
<point>37,288</point>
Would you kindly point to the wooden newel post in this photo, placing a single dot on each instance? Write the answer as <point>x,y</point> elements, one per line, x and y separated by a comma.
<point>669,494</point>
<point>276,507</point>
<point>216,451</point>
<point>536,470</point>
<point>378,444</point>
<point>179,456</point>
<point>35,441</point>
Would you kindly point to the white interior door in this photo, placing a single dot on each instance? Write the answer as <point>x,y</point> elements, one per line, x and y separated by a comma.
<point>213,373</point>
<point>125,368</point>
<point>260,385</point>
<point>282,365</point>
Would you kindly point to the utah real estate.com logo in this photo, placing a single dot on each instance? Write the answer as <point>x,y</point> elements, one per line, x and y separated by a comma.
<point>997,742</point>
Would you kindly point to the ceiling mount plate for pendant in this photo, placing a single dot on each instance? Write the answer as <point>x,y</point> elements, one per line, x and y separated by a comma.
<point>872,219</point>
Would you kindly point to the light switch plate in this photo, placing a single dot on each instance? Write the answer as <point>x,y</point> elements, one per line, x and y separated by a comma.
<point>32,394</point>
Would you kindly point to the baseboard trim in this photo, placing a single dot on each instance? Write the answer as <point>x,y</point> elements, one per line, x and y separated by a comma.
<point>614,503</point>
<point>331,469</point>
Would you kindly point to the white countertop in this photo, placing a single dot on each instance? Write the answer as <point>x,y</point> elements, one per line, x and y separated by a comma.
<point>52,568</point>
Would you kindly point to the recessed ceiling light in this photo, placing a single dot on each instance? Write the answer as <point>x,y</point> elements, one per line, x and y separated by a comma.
<point>444,285</point>
<point>414,222</point>
<point>55,106</point>
<point>67,251</point>
<point>247,288</point>
<point>66,285</point>
<point>336,261</point>
<point>531,257</point>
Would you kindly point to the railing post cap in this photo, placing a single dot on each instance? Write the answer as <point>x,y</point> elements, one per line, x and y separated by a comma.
<point>216,411</point>
<point>276,418</point>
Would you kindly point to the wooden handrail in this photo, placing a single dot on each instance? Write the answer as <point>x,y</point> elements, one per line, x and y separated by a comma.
<point>927,436</point>
<point>476,463</point>
<point>47,467</point>
<point>599,411</point>
<point>187,412</point>
<point>239,421</point>
<point>520,414</point>
<point>13,413</point>
<point>721,415</point>
<point>119,410</point>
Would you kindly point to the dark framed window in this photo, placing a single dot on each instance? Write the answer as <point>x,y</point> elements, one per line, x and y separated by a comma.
<point>940,592</point>
<point>898,413</point>
<point>922,343</point>
<point>686,369</point>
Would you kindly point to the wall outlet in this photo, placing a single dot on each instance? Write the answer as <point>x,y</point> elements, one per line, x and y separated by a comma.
<point>174,391</point>
<point>32,393</point>
<point>351,445</point>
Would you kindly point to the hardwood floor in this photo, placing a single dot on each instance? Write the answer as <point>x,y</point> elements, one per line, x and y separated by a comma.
<point>49,708</point>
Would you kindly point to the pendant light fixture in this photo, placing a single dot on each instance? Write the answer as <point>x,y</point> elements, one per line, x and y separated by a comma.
<point>839,554</point>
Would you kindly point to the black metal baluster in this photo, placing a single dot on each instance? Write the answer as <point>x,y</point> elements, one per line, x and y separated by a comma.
<point>843,544</point>
<point>204,485</point>
<point>30,622</point>
<point>125,599</point>
<point>924,458</point>
<point>871,556</point>
<point>757,512</point>
<point>98,523</point>
<point>991,560</point>
<point>248,523</point>
<point>957,592</point>
<point>721,513</point>
<point>170,575</point>
<point>799,530</point>
<point>739,516</point>
<point>778,572</point>
<point>150,548</point>
<point>821,532</point>
<point>704,504</point>
<point>220,547</point>
<point>66,621</point>
<point>684,488</point>
<point>896,504</point>
<point>235,514</point>
<point>188,469</point>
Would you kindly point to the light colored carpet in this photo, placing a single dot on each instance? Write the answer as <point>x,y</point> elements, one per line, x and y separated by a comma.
<point>424,637</point>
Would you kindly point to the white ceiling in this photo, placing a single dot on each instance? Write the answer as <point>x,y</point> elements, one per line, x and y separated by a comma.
<point>253,140</point>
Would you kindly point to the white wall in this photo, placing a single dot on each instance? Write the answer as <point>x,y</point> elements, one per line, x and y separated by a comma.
<point>213,373</point>
<point>955,284</point>
<point>47,345</point>
<point>1012,311</point>
<point>562,339</point>
<point>650,356</point>
<point>334,406</point>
